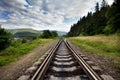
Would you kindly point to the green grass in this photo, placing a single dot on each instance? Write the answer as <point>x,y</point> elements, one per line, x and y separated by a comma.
<point>103,46</point>
<point>18,49</point>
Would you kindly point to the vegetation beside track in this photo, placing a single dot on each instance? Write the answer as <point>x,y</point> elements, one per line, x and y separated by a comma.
<point>18,49</point>
<point>103,46</point>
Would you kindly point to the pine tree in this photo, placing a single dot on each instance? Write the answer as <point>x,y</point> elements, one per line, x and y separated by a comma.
<point>97,7</point>
<point>104,3</point>
<point>113,16</point>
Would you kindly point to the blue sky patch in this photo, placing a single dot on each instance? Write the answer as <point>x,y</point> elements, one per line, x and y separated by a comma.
<point>4,14</point>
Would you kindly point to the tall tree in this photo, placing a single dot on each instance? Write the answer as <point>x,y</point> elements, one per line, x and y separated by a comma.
<point>113,16</point>
<point>5,38</point>
<point>97,7</point>
<point>104,3</point>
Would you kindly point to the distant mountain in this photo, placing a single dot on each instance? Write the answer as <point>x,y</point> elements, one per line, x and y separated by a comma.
<point>25,34</point>
<point>28,32</point>
<point>13,31</point>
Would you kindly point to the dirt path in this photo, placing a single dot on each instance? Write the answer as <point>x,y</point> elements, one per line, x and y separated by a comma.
<point>15,69</point>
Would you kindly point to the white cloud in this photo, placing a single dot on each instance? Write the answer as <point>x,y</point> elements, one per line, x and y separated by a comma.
<point>44,14</point>
<point>2,21</point>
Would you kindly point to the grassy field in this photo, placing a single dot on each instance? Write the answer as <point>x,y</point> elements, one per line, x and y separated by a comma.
<point>18,49</point>
<point>108,46</point>
<point>103,46</point>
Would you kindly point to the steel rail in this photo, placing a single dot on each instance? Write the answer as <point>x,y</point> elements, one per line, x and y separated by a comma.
<point>44,66</point>
<point>88,70</point>
<point>39,75</point>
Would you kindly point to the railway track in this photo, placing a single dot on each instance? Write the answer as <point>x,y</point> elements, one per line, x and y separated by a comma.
<point>63,62</point>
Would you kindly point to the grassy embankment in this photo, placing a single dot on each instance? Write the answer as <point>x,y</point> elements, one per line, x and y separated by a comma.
<point>18,49</point>
<point>104,46</point>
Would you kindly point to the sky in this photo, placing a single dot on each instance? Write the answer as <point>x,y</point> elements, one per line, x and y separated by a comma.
<point>44,14</point>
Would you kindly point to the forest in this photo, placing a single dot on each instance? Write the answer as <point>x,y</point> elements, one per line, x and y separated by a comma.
<point>104,20</point>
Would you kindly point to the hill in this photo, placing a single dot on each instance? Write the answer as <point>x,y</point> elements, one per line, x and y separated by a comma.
<point>13,31</point>
<point>25,31</point>
<point>25,34</point>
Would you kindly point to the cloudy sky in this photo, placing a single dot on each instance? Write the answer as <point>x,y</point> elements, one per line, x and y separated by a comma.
<point>44,14</point>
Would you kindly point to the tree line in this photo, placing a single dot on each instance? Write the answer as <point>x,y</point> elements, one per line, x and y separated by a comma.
<point>48,34</point>
<point>105,20</point>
